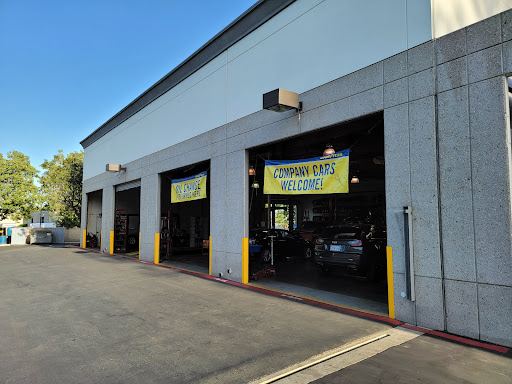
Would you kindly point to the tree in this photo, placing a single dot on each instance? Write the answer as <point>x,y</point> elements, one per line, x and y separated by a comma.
<point>18,193</point>
<point>61,187</point>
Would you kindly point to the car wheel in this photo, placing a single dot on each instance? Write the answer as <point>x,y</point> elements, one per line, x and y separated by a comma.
<point>132,240</point>
<point>265,255</point>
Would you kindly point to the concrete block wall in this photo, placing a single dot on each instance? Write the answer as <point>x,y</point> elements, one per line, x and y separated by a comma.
<point>475,165</point>
<point>453,167</point>
<point>72,235</point>
<point>447,153</point>
<point>412,180</point>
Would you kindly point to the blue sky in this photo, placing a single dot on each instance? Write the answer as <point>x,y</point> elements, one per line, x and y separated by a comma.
<point>66,67</point>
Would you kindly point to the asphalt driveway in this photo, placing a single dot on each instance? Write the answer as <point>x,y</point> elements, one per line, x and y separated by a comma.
<point>72,316</point>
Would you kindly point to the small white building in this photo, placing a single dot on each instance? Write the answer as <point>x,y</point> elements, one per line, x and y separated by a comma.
<point>43,219</point>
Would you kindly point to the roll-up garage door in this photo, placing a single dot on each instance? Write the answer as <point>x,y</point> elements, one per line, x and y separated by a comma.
<point>128,185</point>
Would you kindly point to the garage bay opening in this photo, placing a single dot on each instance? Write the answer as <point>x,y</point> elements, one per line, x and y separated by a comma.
<point>317,215</point>
<point>185,217</point>
<point>127,219</point>
<point>93,229</point>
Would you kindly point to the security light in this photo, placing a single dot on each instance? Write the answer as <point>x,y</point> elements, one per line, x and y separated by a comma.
<point>281,100</point>
<point>115,168</point>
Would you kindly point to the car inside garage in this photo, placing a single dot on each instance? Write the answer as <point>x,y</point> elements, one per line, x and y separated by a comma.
<point>307,239</point>
<point>185,217</point>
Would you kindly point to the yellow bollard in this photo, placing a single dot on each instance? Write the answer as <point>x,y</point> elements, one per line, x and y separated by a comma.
<point>210,256</point>
<point>391,288</point>
<point>157,249</point>
<point>245,260</point>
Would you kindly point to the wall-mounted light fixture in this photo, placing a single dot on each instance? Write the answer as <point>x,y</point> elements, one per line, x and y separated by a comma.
<point>252,171</point>
<point>281,100</point>
<point>329,150</point>
<point>255,184</point>
<point>115,168</point>
<point>354,180</point>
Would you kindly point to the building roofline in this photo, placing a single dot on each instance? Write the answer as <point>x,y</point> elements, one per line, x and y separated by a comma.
<point>255,16</point>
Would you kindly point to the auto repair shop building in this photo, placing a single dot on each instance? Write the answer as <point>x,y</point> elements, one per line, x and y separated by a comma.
<point>417,90</point>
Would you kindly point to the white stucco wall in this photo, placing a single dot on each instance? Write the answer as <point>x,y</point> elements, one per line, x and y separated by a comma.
<point>308,44</point>
<point>451,15</point>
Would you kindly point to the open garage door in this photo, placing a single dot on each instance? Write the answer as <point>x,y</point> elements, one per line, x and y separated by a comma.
<point>93,229</point>
<point>328,243</point>
<point>185,218</point>
<point>127,219</point>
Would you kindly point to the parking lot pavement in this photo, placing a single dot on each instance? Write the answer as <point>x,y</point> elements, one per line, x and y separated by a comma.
<point>427,360</point>
<point>72,316</point>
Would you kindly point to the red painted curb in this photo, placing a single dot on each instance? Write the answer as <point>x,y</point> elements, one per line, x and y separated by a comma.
<point>384,319</point>
<point>460,339</point>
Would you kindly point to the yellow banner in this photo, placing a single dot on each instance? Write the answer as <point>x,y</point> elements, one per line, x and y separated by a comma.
<point>189,188</point>
<point>319,175</point>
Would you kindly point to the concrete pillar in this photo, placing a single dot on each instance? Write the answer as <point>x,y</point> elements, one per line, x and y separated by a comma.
<point>229,212</point>
<point>491,163</point>
<point>149,215</point>
<point>107,216</point>
<point>426,222</point>
<point>457,213</point>
<point>398,195</point>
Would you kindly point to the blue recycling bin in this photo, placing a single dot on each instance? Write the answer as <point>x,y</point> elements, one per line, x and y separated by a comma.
<point>3,240</point>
